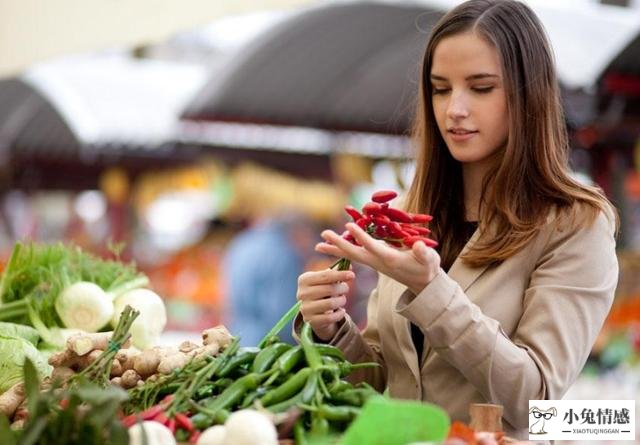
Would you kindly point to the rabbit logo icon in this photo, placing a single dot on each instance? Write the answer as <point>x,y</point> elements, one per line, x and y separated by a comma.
<point>536,425</point>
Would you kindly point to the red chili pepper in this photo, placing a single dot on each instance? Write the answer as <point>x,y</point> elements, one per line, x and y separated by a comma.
<point>161,418</point>
<point>397,215</point>
<point>421,218</point>
<point>381,232</point>
<point>383,196</point>
<point>395,228</point>
<point>129,420</point>
<point>372,208</point>
<point>381,220</point>
<point>353,213</point>
<point>422,230</point>
<point>164,403</point>
<point>364,222</point>
<point>349,237</point>
<point>410,241</point>
<point>184,422</point>
<point>410,230</point>
<point>171,424</point>
<point>194,436</point>
<point>151,413</point>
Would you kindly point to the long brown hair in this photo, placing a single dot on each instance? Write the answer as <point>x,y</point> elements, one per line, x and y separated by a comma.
<point>531,176</point>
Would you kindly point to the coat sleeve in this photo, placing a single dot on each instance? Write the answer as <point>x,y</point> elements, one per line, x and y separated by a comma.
<point>569,295</point>
<point>359,347</point>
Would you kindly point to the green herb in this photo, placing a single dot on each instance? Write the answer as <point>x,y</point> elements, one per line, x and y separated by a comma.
<point>100,370</point>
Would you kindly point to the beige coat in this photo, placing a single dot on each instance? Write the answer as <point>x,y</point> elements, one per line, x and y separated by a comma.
<point>503,334</point>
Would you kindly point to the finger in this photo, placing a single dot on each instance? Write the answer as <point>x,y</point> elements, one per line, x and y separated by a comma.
<point>329,249</point>
<point>327,276</point>
<point>420,252</point>
<point>326,305</point>
<point>327,319</point>
<point>322,291</point>
<point>365,240</point>
<point>348,250</point>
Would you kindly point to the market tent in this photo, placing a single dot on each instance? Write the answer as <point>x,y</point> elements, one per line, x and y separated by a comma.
<point>32,31</point>
<point>62,123</point>
<point>350,67</point>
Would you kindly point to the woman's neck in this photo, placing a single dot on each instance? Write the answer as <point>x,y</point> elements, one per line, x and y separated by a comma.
<point>472,177</point>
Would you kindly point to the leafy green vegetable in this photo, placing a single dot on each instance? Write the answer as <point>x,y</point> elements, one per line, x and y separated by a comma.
<point>36,274</point>
<point>13,352</point>
<point>19,330</point>
<point>81,415</point>
<point>378,423</point>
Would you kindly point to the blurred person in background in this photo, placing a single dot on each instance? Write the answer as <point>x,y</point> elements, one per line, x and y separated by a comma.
<point>261,268</point>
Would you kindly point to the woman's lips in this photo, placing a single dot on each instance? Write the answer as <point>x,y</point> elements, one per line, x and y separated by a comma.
<point>461,135</point>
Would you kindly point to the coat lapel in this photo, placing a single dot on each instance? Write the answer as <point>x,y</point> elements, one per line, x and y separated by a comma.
<point>462,273</point>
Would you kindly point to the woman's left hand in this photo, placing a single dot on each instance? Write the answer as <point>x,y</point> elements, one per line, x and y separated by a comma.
<point>415,267</point>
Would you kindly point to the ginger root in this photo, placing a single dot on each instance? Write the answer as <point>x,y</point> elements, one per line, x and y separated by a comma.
<point>70,359</point>
<point>218,334</point>
<point>147,362</point>
<point>126,358</point>
<point>62,373</point>
<point>82,344</point>
<point>11,399</point>
<point>174,361</point>
<point>129,379</point>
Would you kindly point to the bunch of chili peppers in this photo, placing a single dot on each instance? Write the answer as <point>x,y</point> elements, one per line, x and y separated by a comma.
<point>395,226</point>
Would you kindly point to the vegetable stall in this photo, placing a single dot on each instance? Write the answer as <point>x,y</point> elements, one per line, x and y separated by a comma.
<point>80,364</point>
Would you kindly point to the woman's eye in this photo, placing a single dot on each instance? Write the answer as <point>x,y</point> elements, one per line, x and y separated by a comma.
<point>482,90</point>
<point>440,90</point>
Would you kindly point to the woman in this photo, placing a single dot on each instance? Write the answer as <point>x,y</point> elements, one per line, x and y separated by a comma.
<point>508,308</point>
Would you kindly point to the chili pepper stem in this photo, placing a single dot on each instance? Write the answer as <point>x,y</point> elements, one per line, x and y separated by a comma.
<point>364,365</point>
<point>341,264</point>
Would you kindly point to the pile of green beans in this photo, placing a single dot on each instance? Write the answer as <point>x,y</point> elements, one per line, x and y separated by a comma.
<point>281,377</point>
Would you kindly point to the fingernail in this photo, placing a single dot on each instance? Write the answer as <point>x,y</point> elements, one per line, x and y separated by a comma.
<point>341,288</point>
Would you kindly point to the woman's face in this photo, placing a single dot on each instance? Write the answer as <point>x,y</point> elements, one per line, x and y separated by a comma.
<point>468,97</point>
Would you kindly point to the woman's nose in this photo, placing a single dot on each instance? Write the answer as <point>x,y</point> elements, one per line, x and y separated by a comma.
<point>457,107</point>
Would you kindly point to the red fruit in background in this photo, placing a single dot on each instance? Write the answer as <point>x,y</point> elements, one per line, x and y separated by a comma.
<point>383,196</point>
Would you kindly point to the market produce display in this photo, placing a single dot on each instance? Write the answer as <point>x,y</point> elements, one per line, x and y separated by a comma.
<point>68,379</point>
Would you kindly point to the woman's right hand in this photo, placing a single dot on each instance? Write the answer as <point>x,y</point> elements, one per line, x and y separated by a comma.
<point>323,297</point>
